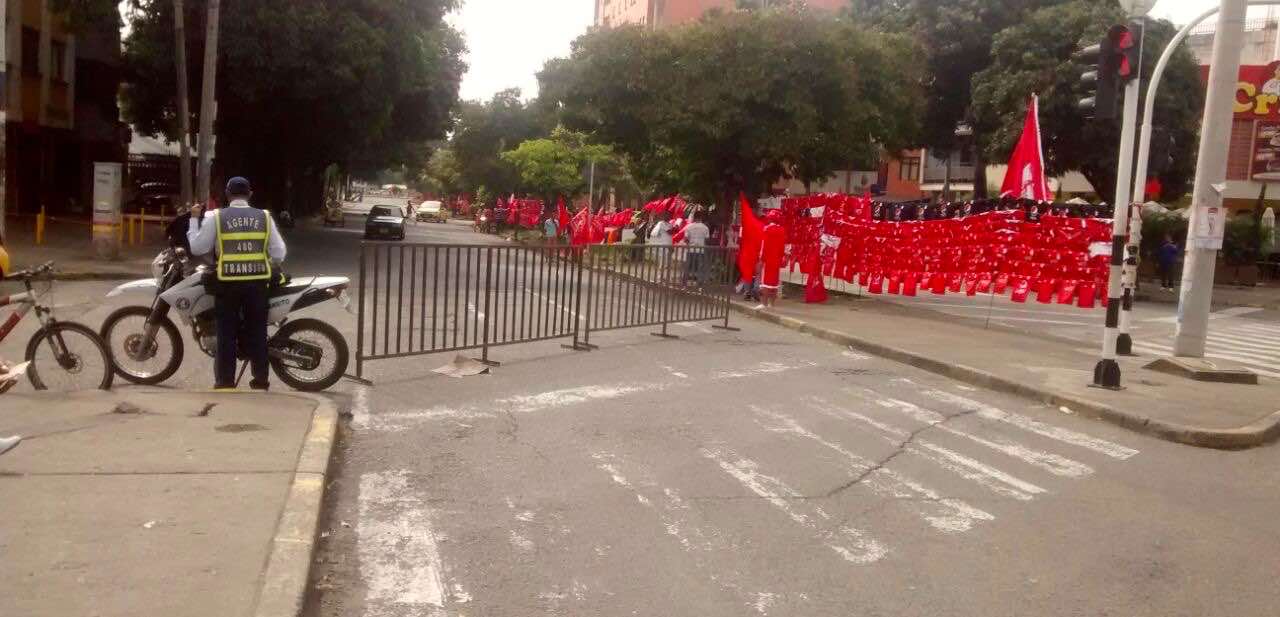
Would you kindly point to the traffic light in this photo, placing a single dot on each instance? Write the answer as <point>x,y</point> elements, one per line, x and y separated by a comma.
<point>1125,41</point>
<point>1115,62</point>
<point>1161,154</point>
<point>1101,82</point>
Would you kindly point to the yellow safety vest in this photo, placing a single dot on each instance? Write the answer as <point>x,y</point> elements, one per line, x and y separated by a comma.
<point>242,244</point>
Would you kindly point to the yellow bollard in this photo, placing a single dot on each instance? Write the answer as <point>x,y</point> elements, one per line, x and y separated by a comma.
<point>40,226</point>
<point>130,220</point>
<point>142,227</point>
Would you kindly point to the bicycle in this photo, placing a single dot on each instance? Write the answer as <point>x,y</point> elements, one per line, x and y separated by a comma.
<point>67,354</point>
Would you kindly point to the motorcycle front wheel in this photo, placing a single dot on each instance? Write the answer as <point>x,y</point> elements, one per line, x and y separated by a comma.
<point>308,355</point>
<point>123,333</point>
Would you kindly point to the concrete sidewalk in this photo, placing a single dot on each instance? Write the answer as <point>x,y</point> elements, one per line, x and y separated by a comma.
<point>160,503</point>
<point>1054,371</point>
<point>69,245</point>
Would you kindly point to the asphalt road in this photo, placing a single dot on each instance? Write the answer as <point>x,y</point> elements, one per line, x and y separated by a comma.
<point>768,473</point>
<point>760,472</point>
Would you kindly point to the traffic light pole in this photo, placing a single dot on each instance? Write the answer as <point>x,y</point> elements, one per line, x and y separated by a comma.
<point>1106,374</point>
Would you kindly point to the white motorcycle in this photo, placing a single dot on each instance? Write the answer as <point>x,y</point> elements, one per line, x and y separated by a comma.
<point>146,347</point>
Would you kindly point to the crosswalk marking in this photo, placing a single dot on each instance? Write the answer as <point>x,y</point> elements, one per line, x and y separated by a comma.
<point>399,555</point>
<point>944,514</point>
<point>1057,433</point>
<point>970,469</point>
<point>1052,463</point>
<point>1250,362</point>
<point>854,545</point>
<point>1254,345</point>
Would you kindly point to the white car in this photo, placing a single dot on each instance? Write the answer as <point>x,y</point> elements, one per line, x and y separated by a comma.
<point>429,211</point>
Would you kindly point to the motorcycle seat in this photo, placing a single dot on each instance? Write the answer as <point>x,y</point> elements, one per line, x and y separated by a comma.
<point>285,290</point>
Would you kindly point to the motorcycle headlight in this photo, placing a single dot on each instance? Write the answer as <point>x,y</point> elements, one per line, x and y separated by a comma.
<point>158,267</point>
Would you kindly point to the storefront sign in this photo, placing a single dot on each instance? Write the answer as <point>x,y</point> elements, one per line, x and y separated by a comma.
<point>1258,92</point>
<point>1266,149</point>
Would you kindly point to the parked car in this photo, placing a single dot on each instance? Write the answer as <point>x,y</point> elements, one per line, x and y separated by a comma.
<point>384,222</point>
<point>431,211</point>
<point>153,197</point>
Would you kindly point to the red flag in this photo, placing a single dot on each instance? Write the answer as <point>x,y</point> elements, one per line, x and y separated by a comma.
<point>749,245</point>
<point>562,216</point>
<point>1025,177</point>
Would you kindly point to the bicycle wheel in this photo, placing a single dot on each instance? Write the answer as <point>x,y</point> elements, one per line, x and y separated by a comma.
<point>68,357</point>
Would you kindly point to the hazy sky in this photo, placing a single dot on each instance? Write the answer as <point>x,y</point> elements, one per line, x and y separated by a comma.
<point>509,40</point>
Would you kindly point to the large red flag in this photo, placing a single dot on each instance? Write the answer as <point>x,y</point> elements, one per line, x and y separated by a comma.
<point>1025,177</point>
<point>749,245</point>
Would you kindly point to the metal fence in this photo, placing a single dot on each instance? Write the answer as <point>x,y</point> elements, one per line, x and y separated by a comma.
<point>417,299</point>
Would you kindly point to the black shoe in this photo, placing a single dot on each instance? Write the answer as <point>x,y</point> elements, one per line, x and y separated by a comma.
<point>256,385</point>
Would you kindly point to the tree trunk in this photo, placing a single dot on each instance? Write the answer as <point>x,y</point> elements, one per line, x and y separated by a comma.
<point>979,174</point>
<point>208,111</point>
<point>184,107</point>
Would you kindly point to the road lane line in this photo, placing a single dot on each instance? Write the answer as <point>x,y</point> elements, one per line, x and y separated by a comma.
<point>942,513</point>
<point>1067,436</point>
<point>397,547</point>
<point>854,545</point>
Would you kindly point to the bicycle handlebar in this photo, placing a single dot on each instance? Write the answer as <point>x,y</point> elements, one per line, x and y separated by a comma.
<point>43,268</point>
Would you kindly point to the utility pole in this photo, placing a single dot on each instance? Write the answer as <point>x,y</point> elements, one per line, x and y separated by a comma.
<point>591,185</point>
<point>1204,234</point>
<point>184,107</point>
<point>1129,270</point>
<point>4,111</point>
<point>208,106</point>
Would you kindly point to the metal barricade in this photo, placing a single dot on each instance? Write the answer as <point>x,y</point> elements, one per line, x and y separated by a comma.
<point>417,299</point>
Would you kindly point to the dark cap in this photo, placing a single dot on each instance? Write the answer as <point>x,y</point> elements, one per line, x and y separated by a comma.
<point>238,186</point>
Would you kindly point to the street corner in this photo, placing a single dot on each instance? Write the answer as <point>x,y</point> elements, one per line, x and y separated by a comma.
<point>193,491</point>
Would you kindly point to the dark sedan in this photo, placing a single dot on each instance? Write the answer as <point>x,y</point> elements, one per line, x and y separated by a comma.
<point>384,222</point>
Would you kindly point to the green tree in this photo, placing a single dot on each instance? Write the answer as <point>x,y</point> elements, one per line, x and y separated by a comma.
<point>1039,55</point>
<point>368,84</point>
<point>956,38</point>
<point>484,131</point>
<point>736,102</point>
<point>442,176</point>
<point>553,166</point>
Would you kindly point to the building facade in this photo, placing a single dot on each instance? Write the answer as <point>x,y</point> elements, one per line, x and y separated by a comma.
<point>60,107</point>
<point>664,13</point>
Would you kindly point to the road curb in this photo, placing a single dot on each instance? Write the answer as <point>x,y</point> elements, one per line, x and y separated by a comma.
<point>288,568</point>
<point>1255,434</point>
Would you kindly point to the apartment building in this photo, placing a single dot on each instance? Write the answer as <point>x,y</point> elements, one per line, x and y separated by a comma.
<point>60,103</point>
<point>664,13</point>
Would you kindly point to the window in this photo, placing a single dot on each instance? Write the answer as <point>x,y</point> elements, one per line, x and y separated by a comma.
<point>30,52</point>
<point>966,156</point>
<point>909,169</point>
<point>58,58</point>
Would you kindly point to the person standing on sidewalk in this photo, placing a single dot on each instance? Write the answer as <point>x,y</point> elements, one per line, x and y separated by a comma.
<point>696,234</point>
<point>1167,259</point>
<point>247,244</point>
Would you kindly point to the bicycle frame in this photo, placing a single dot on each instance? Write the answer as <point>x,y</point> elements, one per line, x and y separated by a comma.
<point>25,301</point>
